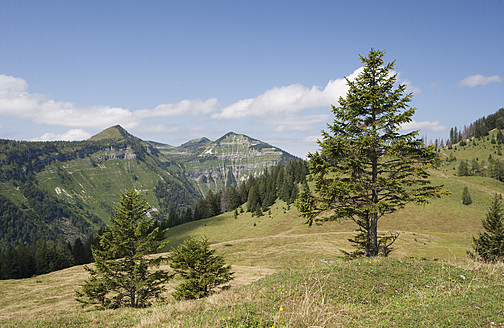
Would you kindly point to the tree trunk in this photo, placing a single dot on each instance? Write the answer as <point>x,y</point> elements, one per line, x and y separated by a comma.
<point>132,297</point>
<point>373,216</point>
<point>373,235</point>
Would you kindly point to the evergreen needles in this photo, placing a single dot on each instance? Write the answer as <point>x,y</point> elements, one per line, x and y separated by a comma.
<point>202,270</point>
<point>122,274</point>
<point>489,245</point>
<point>365,168</point>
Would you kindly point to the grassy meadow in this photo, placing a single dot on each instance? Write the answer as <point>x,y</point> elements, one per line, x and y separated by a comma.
<point>291,275</point>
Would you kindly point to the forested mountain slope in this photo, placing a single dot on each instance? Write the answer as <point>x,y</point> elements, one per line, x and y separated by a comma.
<point>68,189</point>
<point>52,189</point>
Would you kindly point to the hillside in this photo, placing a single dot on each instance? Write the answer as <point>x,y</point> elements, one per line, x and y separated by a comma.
<point>54,189</point>
<point>227,161</point>
<point>280,263</point>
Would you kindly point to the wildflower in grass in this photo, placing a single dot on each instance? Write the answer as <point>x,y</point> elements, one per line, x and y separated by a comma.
<point>281,309</point>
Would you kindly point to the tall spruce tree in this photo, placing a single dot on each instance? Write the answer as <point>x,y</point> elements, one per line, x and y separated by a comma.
<point>489,245</point>
<point>122,275</point>
<point>365,168</point>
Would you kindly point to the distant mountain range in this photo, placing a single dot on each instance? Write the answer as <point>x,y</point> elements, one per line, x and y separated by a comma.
<point>53,189</point>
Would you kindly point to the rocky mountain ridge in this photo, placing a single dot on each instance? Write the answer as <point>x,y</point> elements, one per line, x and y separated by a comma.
<point>229,160</point>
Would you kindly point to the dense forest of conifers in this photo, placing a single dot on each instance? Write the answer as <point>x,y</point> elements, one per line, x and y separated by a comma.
<point>43,256</point>
<point>259,193</point>
<point>34,219</point>
<point>18,158</point>
<point>23,225</point>
<point>479,128</point>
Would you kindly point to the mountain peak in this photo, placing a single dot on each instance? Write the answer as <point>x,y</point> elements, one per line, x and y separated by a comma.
<point>232,135</point>
<point>197,141</point>
<point>115,132</point>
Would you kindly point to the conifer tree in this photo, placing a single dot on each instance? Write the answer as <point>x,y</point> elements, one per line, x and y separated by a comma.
<point>463,169</point>
<point>365,168</point>
<point>466,196</point>
<point>202,270</point>
<point>489,245</point>
<point>122,275</point>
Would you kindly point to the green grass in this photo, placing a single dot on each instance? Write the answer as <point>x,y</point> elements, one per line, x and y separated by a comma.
<point>381,292</point>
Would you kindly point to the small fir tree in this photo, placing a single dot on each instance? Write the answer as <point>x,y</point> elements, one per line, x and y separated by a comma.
<point>122,275</point>
<point>202,270</point>
<point>463,169</point>
<point>466,197</point>
<point>489,245</point>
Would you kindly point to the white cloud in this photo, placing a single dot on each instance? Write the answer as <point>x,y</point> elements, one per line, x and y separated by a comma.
<point>475,80</point>
<point>16,101</point>
<point>288,99</point>
<point>297,123</point>
<point>70,135</point>
<point>191,107</point>
<point>11,84</point>
<point>411,88</point>
<point>159,128</point>
<point>425,125</point>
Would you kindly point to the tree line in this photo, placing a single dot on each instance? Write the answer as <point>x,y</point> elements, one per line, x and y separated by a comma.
<point>44,256</point>
<point>479,128</point>
<point>259,193</point>
<point>493,167</point>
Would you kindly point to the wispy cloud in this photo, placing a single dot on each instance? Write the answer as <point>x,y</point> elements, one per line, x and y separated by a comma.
<point>476,80</point>
<point>297,122</point>
<point>314,139</point>
<point>424,125</point>
<point>288,99</point>
<point>70,135</point>
<point>184,107</point>
<point>410,87</point>
<point>159,128</point>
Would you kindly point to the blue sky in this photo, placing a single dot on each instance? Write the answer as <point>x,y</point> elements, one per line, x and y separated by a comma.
<point>171,71</point>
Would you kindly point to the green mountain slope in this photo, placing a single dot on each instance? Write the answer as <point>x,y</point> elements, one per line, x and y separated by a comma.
<point>53,189</point>
<point>310,284</point>
<point>69,188</point>
<point>229,160</point>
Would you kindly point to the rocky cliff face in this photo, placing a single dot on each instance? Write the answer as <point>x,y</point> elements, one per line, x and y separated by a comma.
<point>212,165</point>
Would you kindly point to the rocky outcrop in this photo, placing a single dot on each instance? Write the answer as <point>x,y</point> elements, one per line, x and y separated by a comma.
<point>233,157</point>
